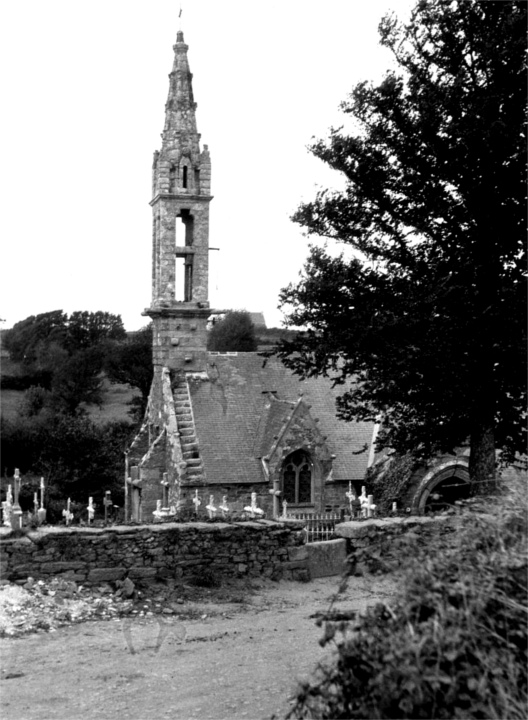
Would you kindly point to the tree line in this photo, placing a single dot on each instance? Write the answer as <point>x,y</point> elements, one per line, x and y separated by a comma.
<point>61,363</point>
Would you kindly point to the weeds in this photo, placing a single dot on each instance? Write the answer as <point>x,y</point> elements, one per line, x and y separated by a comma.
<point>454,642</point>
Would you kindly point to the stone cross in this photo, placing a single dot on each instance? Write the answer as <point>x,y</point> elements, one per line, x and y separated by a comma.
<point>196,501</point>
<point>16,511</point>
<point>363,499</point>
<point>7,507</point>
<point>158,512</point>
<point>253,509</point>
<point>369,506</point>
<point>224,507</point>
<point>107,502</point>
<point>351,495</point>
<point>284,509</point>
<point>91,510</point>
<point>67,514</point>
<point>211,509</point>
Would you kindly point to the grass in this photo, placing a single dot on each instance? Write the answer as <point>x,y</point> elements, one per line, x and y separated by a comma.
<point>115,406</point>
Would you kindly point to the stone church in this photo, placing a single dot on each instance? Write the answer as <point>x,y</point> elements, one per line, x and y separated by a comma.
<point>222,424</point>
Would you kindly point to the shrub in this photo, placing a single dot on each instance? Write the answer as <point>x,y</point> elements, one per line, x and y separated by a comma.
<point>234,333</point>
<point>389,480</point>
<point>452,645</point>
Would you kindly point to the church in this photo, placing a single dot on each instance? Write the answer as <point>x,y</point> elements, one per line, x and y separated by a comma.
<point>223,424</point>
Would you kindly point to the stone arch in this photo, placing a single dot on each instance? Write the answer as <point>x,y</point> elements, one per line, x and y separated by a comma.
<point>436,476</point>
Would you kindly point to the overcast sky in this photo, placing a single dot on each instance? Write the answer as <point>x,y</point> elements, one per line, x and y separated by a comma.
<point>84,88</point>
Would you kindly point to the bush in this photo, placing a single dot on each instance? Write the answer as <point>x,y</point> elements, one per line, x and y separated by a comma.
<point>77,458</point>
<point>452,645</point>
<point>234,333</point>
<point>24,382</point>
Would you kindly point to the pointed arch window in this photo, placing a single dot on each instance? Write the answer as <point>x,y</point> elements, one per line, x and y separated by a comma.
<point>297,485</point>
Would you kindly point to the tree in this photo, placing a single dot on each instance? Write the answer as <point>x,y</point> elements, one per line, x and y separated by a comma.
<point>76,457</point>
<point>86,329</point>
<point>423,322</point>
<point>131,363</point>
<point>27,338</point>
<point>234,333</point>
<point>78,380</point>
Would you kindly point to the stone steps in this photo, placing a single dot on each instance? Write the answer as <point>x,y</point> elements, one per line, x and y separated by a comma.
<point>194,473</point>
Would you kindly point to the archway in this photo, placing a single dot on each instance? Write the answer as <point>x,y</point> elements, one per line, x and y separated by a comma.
<point>442,486</point>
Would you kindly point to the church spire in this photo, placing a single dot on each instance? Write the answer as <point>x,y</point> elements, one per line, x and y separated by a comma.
<point>180,109</point>
<point>181,193</point>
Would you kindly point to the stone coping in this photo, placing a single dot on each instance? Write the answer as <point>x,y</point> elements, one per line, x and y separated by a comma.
<point>76,530</point>
<point>352,528</point>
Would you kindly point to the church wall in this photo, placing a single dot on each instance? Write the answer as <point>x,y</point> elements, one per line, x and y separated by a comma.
<point>238,496</point>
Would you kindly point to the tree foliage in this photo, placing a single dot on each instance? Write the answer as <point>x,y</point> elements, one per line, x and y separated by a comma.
<point>76,457</point>
<point>423,320</point>
<point>27,337</point>
<point>131,363</point>
<point>64,354</point>
<point>234,333</point>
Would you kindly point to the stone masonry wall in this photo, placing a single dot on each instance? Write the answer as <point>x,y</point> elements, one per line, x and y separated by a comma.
<point>150,552</point>
<point>381,545</point>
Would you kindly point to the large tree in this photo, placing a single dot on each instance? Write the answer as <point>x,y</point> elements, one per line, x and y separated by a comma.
<point>131,363</point>
<point>423,318</point>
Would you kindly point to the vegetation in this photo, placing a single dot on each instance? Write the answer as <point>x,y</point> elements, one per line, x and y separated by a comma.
<point>423,320</point>
<point>131,363</point>
<point>453,644</point>
<point>234,333</point>
<point>76,457</point>
<point>389,479</point>
<point>61,363</point>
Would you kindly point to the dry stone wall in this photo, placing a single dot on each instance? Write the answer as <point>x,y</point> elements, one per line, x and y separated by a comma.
<point>384,544</point>
<point>150,552</point>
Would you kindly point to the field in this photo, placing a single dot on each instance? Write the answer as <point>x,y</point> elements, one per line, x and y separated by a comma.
<point>116,399</point>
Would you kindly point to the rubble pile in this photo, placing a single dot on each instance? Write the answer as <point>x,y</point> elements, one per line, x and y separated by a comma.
<point>44,606</point>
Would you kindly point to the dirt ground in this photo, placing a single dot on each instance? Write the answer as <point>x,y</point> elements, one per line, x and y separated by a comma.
<point>235,654</point>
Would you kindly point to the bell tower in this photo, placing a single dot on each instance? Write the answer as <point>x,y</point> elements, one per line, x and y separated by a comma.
<point>181,187</point>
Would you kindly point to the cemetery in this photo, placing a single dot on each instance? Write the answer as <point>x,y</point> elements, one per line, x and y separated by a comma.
<point>214,539</point>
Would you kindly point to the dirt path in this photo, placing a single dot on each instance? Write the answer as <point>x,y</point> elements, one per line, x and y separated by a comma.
<point>224,661</point>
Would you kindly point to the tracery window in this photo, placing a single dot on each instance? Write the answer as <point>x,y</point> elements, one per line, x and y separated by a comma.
<point>297,479</point>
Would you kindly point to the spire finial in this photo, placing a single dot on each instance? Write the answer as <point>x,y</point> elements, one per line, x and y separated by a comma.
<point>179,34</point>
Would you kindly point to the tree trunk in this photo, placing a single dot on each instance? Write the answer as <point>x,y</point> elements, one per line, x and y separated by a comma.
<point>482,460</point>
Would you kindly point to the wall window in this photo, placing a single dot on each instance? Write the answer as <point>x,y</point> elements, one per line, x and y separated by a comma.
<point>297,479</point>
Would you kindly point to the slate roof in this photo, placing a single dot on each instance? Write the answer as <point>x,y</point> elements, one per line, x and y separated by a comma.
<point>233,425</point>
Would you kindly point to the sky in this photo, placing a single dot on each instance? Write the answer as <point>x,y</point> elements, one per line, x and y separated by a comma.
<point>84,90</point>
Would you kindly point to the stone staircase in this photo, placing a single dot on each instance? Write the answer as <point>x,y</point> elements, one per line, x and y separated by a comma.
<point>195,473</point>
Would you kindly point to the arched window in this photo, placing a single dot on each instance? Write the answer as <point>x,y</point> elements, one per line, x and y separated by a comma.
<point>297,479</point>
<point>185,174</point>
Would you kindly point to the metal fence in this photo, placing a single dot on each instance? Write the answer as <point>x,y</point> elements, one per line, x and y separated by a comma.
<point>317,526</point>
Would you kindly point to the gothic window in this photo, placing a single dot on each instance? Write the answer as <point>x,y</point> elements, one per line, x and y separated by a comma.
<point>184,177</point>
<point>297,479</point>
